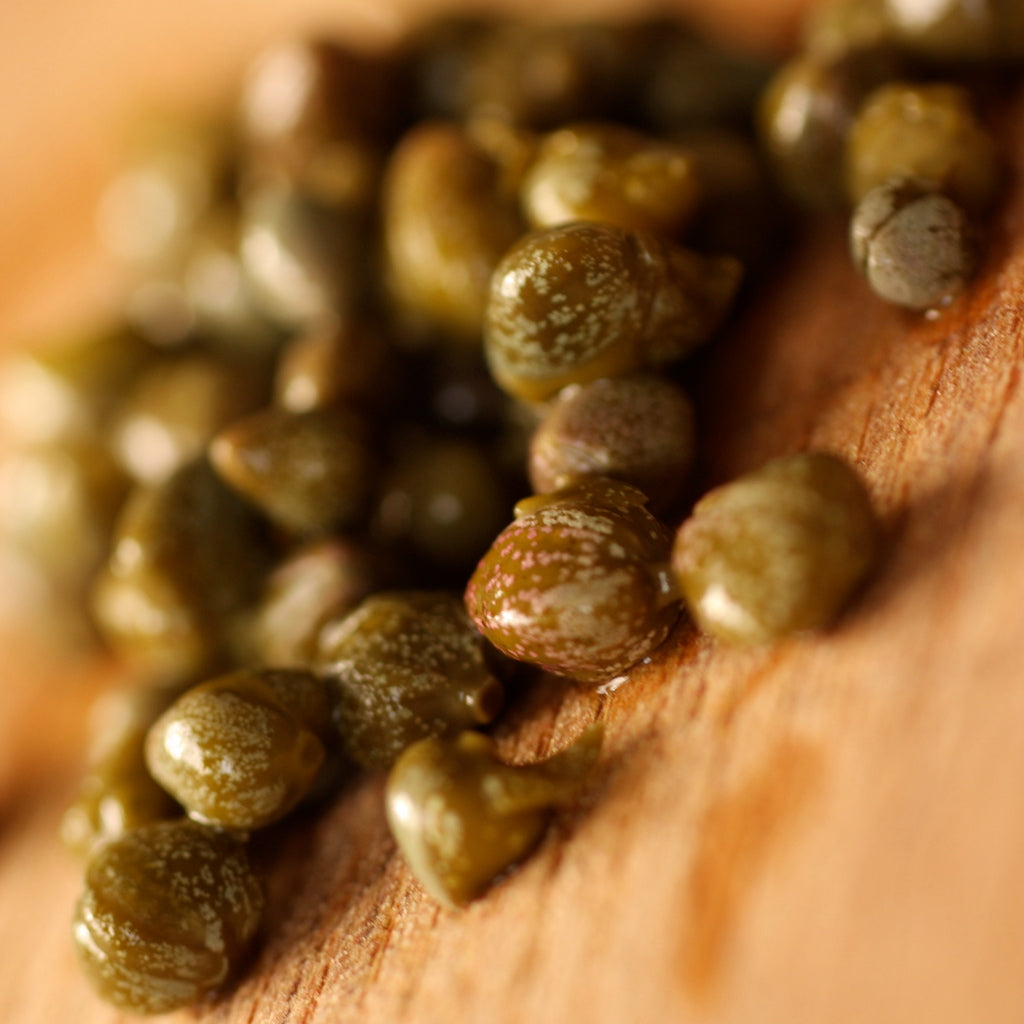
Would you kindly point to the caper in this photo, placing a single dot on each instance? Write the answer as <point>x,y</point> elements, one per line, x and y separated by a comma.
<point>117,793</point>
<point>461,816</point>
<point>446,223</point>
<point>167,911</point>
<point>578,584</point>
<point>310,472</point>
<point>914,245</point>
<point>241,750</point>
<point>582,301</point>
<point>637,428</point>
<point>406,664</point>
<point>777,551</point>
<point>929,132</point>
<point>187,557</point>
<point>610,173</point>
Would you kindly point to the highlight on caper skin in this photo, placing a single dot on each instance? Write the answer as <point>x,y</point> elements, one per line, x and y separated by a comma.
<point>777,551</point>
<point>240,751</point>
<point>167,911</point>
<point>588,300</point>
<point>579,583</point>
<point>461,816</point>
<point>405,665</point>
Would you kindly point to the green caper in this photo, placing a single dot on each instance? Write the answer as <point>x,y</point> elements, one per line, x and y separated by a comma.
<point>613,174</point>
<point>777,551</point>
<point>637,428</point>
<point>914,245</point>
<point>406,664</point>
<point>117,793</point>
<point>461,816</point>
<point>167,911</point>
<point>446,223</point>
<point>929,132</point>
<point>583,301</point>
<point>578,584</point>
<point>187,556</point>
<point>310,472</point>
<point>240,751</point>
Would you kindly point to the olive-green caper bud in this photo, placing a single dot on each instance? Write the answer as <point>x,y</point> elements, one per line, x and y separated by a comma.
<point>578,584</point>
<point>461,816</point>
<point>173,410</point>
<point>167,911</point>
<point>406,664</point>
<point>322,578</point>
<point>117,793</point>
<point>582,301</point>
<point>805,115</point>
<point>613,174</point>
<point>637,428</point>
<point>240,751</point>
<point>309,472</point>
<point>777,551</point>
<point>914,245</point>
<point>446,223</point>
<point>929,132</point>
<point>187,556</point>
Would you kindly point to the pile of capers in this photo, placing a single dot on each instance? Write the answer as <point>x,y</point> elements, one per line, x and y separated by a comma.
<point>391,298</point>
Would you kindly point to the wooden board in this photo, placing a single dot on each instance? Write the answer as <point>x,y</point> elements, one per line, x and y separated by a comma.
<point>828,829</point>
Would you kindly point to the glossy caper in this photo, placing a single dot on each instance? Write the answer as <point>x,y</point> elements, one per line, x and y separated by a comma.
<point>461,816</point>
<point>241,750</point>
<point>777,551</point>
<point>638,428</point>
<point>578,584</point>
<point>582,301</point>
<point>914,245</point>
<point>405,665</point>
<point>168,910</point>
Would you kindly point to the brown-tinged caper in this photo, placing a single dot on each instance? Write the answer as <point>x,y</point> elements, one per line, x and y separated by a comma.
<point>610,173</point>
<point>578,584</point>
<point>446,223</point>
<point>638,428</point>
<point>461,816</point>
<point>777,551</point>
<point>582,301</point>
<point>187,556</point>
<point>914,245</point>
<point>167,912</point>
<point>406,664</point>
<point>117,793</point>
<point>929,132</point>
<point>240,751</point>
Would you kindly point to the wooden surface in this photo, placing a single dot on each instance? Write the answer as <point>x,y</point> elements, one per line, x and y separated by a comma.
<point>827,830</point>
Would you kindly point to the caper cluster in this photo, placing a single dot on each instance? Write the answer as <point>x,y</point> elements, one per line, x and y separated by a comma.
<point>393,302</point>
<point>883,114</point>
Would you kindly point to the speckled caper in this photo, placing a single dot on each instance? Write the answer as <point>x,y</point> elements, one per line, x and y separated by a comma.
<point>240,751</point>
<point>582,301</point>
<point>914,245</point>
<point>406,664</point>
<point>167,911</point>
<point>578,584</point>
<point>638,428</point>
<point>461,816</point>
<point>187,556</point>
<point>445,225</point>
<point>777,551</point>
<point>929,132</point>
<point>310,472</point>
<point>117,793</point>
<point>613,174</point>
<point>805,114</point>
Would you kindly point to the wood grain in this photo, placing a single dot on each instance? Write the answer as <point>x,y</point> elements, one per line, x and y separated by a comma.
<point>828,829</point>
